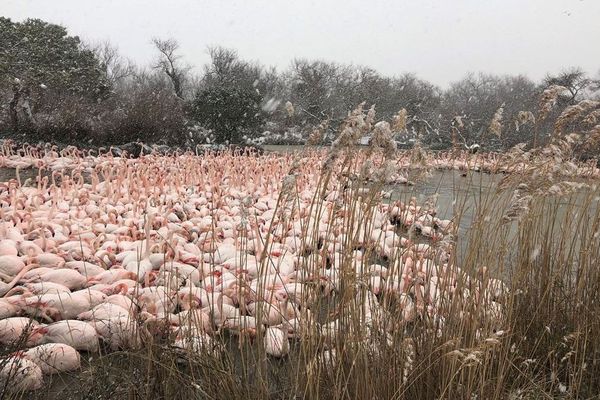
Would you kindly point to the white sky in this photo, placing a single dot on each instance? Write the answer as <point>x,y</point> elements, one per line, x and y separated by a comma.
<point>439,40</point>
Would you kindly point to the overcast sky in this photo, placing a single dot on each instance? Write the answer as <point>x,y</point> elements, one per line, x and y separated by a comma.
<point>439,40</point>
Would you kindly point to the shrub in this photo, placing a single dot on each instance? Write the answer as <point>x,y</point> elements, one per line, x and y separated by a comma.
<point>233,113</point>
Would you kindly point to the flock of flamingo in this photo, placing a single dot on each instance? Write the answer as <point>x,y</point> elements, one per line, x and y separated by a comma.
<point>97,248</point>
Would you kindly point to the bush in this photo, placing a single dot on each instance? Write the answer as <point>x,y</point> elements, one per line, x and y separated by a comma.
<point>233,113</point>
<point>154,116</point>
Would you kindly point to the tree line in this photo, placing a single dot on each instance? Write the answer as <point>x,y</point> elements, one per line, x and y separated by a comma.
<point>54,87</point>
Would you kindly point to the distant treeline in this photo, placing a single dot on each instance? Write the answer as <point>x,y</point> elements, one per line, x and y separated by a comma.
<point>54,87</point>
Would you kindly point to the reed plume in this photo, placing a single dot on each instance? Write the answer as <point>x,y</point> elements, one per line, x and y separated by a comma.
<point>496,123</point>
<point>548,100</point>
<point>399,121</point>
<point>573,113</point>
<point>289,109</point>
<point>523,118</point>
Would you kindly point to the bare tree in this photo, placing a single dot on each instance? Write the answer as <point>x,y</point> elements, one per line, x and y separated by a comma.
<point>476,98</point>
<point>314,87</point>
<point>226,67</point>
<point>596,86</point>
<point>575,80</point>
<point>223,63</point>
<point>169,62</point>
<point>274,85</point>
<point>421,100</point>
<point>115,67</point>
